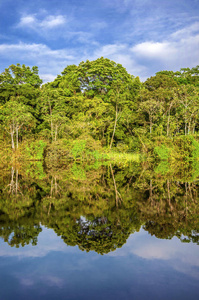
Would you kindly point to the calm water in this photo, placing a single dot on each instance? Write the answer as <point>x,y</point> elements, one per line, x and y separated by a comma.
<point>98,232</point>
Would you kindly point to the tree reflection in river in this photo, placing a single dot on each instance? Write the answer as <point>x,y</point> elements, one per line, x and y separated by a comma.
<point>97,207</point>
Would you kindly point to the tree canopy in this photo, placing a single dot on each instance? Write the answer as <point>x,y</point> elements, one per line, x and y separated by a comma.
<point>99,99</point>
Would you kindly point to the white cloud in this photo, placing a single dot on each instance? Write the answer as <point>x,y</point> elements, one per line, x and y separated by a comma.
<point>177,50</point>
<point>99,25</point>
<point>48,22</point>
<point>111,49</point>
<point>50,62</point>
<point>123,5</point>
<point>69,28</point>
<point>35,51</point>
<point>187,31</point>
<point>180,49</point>
<point>27,21</point>
<point>155,50</point>
<point>120,53</point>
<point>53,21</point>
<point>80,36</point>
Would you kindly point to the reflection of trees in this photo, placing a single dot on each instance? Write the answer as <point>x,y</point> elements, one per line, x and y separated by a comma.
<point>97,208</point>
<point>13,186</point>
<point>86,212</point>
<point>102,234</point>
<point>16,234</point>
<point>170,208</point>
<point>18,200</point>
<point>18,196</point>
<point>118,196</point>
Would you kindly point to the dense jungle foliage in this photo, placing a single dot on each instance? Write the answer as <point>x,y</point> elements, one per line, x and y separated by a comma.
<point>97,106</point>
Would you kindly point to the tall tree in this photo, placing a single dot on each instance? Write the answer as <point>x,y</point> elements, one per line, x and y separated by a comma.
<point>15,116</point>
<point>112,82</point>
<point>53,109</point>
<point>17,80</point>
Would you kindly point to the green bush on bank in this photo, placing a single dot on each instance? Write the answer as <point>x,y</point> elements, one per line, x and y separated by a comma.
<point>35,150</point>
<point>82,148</point>
<point>183,148</point>
<point>180,154</point>
<point>162,152</point>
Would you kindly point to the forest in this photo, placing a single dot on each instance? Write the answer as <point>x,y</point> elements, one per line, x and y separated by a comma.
<point>96,108</point>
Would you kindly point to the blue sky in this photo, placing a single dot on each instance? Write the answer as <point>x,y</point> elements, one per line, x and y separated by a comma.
<point>145,36</point>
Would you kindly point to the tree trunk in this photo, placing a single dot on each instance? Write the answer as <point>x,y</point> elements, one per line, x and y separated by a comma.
<point>116,116</point>
<point>12,181</point>
<point>51,189</point>
<point>51,126</point>
<point>194,127</point>
<point>17,137</point>
<point>12,137</point>
<point>185,126</point>
<point>169,195</point>
<point>55,186</point>
<point>117,194</point>
<point>168,124</point>
<point>189,127</point>
<point>16,188</point>
<point>51,122</point>
<point>151,192</point>
<point>56,130</point>
<point>151,124</point>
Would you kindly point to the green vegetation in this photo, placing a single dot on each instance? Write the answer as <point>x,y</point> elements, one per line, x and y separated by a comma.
<point>97,206</point>
<point>96,154</point>
<point>98,111</point>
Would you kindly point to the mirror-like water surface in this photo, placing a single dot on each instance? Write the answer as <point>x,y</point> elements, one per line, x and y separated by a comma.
<point>98,232</point>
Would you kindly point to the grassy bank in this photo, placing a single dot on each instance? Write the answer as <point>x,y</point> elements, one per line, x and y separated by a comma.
<point>162,151</point>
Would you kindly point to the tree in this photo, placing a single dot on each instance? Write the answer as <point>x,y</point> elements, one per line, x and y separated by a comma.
<point>15,116</point>
<point>119,95</point>
<point>102,81</point>
<point>19,90</point>
<point>20,81</point>
<point>112,82</point>
<point>158,99</point>
<point>185,76</point>
<point>69,81</point>
<point>151,105</point>
<point>53,108</point>
<point>187,97</point>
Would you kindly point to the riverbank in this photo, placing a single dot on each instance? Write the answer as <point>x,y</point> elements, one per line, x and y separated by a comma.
<point>163,152</point>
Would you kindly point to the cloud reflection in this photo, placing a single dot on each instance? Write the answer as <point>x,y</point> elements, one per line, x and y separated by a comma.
<point>48,241</point>
<point>180,256</point>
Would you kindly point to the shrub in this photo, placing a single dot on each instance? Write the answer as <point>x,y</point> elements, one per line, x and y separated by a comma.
<point>162,152</point>
<point>35,150</point>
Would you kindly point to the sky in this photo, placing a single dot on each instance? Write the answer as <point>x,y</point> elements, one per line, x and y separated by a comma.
<point>145,36</point>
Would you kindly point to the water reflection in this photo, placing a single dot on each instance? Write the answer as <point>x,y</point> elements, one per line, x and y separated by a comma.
<point>96,207</point>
